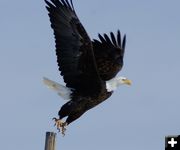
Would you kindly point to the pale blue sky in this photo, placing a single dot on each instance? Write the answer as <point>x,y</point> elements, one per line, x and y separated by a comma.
<point>136,117</point>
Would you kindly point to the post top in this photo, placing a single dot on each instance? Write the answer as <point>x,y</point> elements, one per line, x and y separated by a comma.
<point>48,133</point>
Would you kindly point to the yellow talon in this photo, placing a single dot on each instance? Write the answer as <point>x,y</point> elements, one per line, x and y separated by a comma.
<point>60,125</point>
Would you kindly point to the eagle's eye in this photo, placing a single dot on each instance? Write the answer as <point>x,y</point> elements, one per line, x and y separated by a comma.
<point>124,79</point>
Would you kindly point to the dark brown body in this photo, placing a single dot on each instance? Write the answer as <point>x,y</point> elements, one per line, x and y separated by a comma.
<point>80,104</point>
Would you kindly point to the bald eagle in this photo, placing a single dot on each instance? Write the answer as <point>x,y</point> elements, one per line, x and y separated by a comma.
<point>88,67</point>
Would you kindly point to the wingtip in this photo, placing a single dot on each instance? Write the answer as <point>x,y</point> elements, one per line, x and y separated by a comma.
<point>72,5</point>
<point>101,38</point>
<point>47,2</point>
<point>48,5</point>
<point>124,42</point>
<point>114,40</point>
<point>119,32</point>
<point>119,38</point>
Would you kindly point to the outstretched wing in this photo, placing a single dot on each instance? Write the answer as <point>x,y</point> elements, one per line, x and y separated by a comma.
<point>109,53</point>
<point>74,51</point>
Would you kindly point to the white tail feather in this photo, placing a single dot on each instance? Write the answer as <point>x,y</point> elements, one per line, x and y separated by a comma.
<point>62,91</point>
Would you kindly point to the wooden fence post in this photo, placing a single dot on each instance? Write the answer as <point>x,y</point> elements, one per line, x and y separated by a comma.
<point>50,141</point>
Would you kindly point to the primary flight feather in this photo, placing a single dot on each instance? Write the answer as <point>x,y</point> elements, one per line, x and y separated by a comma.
<point>88,67</point>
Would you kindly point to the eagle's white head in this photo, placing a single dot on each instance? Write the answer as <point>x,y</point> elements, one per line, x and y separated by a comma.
<point>112,84</point>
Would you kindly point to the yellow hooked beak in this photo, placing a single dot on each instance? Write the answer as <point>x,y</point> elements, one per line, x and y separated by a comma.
<point>127,81</point>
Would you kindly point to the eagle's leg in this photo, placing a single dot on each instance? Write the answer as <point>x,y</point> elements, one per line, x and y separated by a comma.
<point>60,125</point>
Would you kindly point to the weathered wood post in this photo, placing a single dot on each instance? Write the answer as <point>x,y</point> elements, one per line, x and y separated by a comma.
<point>50,141</point>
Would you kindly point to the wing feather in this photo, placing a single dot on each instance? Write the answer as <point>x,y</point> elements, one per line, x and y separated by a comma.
<point>113,39</point>
<point>74,51</point>
<point>124,44</point>
<point>109,53</point>
<point>107,39</point>
<point>119,38</point>
<point>101,38</point>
